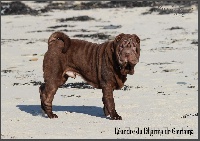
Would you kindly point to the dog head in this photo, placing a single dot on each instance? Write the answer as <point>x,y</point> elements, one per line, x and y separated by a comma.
<point>127,49</point>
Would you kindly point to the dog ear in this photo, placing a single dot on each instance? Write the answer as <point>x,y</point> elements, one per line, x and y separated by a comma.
<point>119,37</point>
<point>137,39</point>
<point>138,46</point>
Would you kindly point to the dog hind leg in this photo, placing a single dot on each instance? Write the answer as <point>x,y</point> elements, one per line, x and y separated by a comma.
<point>48,90</point>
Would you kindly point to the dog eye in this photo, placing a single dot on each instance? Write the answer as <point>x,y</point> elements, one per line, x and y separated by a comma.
<point>125,41</point>
<point>134,48</point>
<point>134,44</point>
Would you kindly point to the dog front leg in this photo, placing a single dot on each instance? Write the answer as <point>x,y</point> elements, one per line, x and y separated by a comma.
<point>109,104</point>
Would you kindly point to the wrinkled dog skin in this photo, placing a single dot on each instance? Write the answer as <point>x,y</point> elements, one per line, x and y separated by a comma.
<point>104,66</point>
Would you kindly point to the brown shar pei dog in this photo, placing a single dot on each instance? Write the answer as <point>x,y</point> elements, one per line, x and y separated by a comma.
<point>104,66</point>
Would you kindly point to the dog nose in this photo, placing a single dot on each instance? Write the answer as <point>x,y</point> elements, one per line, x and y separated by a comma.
<point>127,54</point>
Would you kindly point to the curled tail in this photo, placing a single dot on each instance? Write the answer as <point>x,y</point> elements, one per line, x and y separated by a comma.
<point>60,36</point>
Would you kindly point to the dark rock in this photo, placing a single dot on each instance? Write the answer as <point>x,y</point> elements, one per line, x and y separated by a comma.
<point>167,48</point>
<point>30,42</point>
<point>6,71</point>
<point>58,26</point>
<point>184,83</point>
<point>15,84</point>
<point>195,42</point>
<point>78,85</point>
<point>79,18</point>
<point>126,88</point>
<point>176,27</point>
<point>16,8</point>
<point>61,6</point>
<point>191,86</point>
<point>131,4</point>
<point>160,92</point>
<point>112,26</point>
<point>111,4</point>
<point>189,115</point>
<point>184,7</point>
<point>101,36</point>
<point>35,83</point>
<point>169,70</point>
<point>70,95</point>
<point>158,63</point>
<point>40,31</point>
<point>42,1</point>
<point>78,30</point>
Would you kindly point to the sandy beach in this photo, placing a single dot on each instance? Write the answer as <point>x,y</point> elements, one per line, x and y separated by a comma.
<point>161,95</point>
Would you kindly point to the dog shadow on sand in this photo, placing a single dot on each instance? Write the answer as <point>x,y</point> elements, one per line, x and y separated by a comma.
<point>36,110</point>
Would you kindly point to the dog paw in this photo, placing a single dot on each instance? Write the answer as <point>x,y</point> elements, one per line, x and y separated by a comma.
<point>116,117</point>
<point>52,116</point>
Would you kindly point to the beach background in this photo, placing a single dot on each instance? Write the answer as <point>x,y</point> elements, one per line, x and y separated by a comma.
<point>161,95</point>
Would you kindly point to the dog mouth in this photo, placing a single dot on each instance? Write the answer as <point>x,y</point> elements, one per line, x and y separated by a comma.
<point>127,68</point>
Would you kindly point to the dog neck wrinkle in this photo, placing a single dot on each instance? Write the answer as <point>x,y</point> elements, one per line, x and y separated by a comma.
<point>112,59</point>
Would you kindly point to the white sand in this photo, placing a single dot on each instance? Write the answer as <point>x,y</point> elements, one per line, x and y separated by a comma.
<point>142,106</point>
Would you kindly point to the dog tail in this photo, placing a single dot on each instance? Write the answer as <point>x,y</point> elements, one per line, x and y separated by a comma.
<point>60,36</point>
